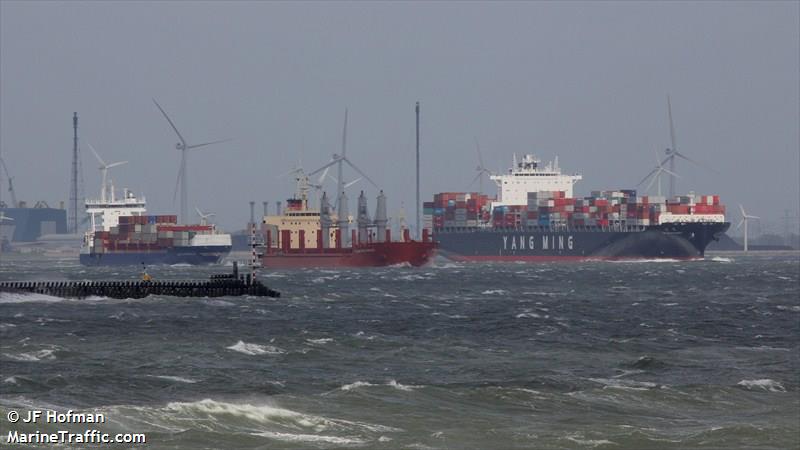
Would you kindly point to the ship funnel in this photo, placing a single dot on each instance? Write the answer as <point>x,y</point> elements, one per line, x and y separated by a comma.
<point>278,208</point>
<point>363,219</point>
<point>343,219</point>
<point>325,221</point>
<point>380,217</point>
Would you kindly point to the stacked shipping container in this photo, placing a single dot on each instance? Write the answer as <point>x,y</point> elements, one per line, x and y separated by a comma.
<point>456,209</point>
<point>147,233</point>
<point>554,210</point>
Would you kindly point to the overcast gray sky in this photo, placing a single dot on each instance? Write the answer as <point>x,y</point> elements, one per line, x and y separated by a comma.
<point>585,81</point>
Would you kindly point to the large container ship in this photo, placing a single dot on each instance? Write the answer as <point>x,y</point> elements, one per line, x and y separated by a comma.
<point>303,237</point>
<point>121,233</point>
<point>535,217</point>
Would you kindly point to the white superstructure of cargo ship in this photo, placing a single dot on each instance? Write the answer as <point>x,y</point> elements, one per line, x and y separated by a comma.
<point>529,175</point>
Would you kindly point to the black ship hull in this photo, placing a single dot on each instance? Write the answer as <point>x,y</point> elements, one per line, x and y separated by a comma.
<point>666,241</point>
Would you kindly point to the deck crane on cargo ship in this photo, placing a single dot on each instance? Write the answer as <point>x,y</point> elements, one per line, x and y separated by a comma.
<point>11,192</point>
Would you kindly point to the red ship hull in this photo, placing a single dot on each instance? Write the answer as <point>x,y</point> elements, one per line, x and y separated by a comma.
<point>375,254</point>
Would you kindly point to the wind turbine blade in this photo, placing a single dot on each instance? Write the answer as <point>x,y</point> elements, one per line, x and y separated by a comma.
<point>183,141</point>
<point>199,213</point>
<point>740,224</point>
<point>648,176</point>
<point>670,172</point>
<point>478,148</point>
<point>671,126</point>
<point>653,180</point>
<point>741,208</point>
<point>359,171</point>
<point>344,135</point>
<point>352,183</point>
<point>705,166</point>
<point>754,217</point>
<point>322,177</point>
<point>115,164</point>
<point>207,143</point>
<point>324,167</point>
<point>480,174</point>
<point>102,163</point>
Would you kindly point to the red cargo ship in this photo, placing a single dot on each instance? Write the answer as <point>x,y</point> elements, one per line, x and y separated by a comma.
<point>300,237</point>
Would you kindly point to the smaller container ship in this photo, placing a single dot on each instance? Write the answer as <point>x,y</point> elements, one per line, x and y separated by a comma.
<point>536,217</point>
<point>303,237</point>
<point>121,233</point>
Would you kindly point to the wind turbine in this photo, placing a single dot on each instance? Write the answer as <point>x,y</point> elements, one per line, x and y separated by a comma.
<point>481,168</point>
<point>182,173</point>
<point>203,217</point>
<point>104,171</point>
<point>340,159</point>
<point>673,152</point>
<point>745,219</point>
<point>656,175</point>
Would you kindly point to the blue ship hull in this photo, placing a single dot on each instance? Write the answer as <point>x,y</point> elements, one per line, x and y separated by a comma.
<point>183,255</point>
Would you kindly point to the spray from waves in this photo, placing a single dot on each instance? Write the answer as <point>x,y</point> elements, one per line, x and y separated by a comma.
<point>641,261</point>
<point>764,384</point>
<point>258,419</point>
<point>721,259</point>
<point>494,292</point>
<point>255,349</point>
<point>16,297</point>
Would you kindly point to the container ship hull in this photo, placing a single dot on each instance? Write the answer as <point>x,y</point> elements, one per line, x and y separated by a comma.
<point>376,254</point>
<point>195,255</point>
<point>666,241</point>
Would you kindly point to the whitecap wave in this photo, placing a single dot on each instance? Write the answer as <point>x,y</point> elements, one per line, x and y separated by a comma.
<point>764,384</point>
<point>494,292</point>
<point>255,349</point>
<point>41,355</point>
<point>590,442</point>
<point>174,378</point>
<point>356,385</point>
<point>390,383</point>
<point>617,383</point>
<point>320,341</point>
<point>316,438</point>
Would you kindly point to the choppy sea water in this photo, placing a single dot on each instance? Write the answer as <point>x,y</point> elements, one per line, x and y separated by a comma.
<point>488,356</point>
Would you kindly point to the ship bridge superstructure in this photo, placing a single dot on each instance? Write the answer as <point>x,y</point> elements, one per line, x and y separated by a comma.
<point>530,175</point>
<point>105,213</point>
